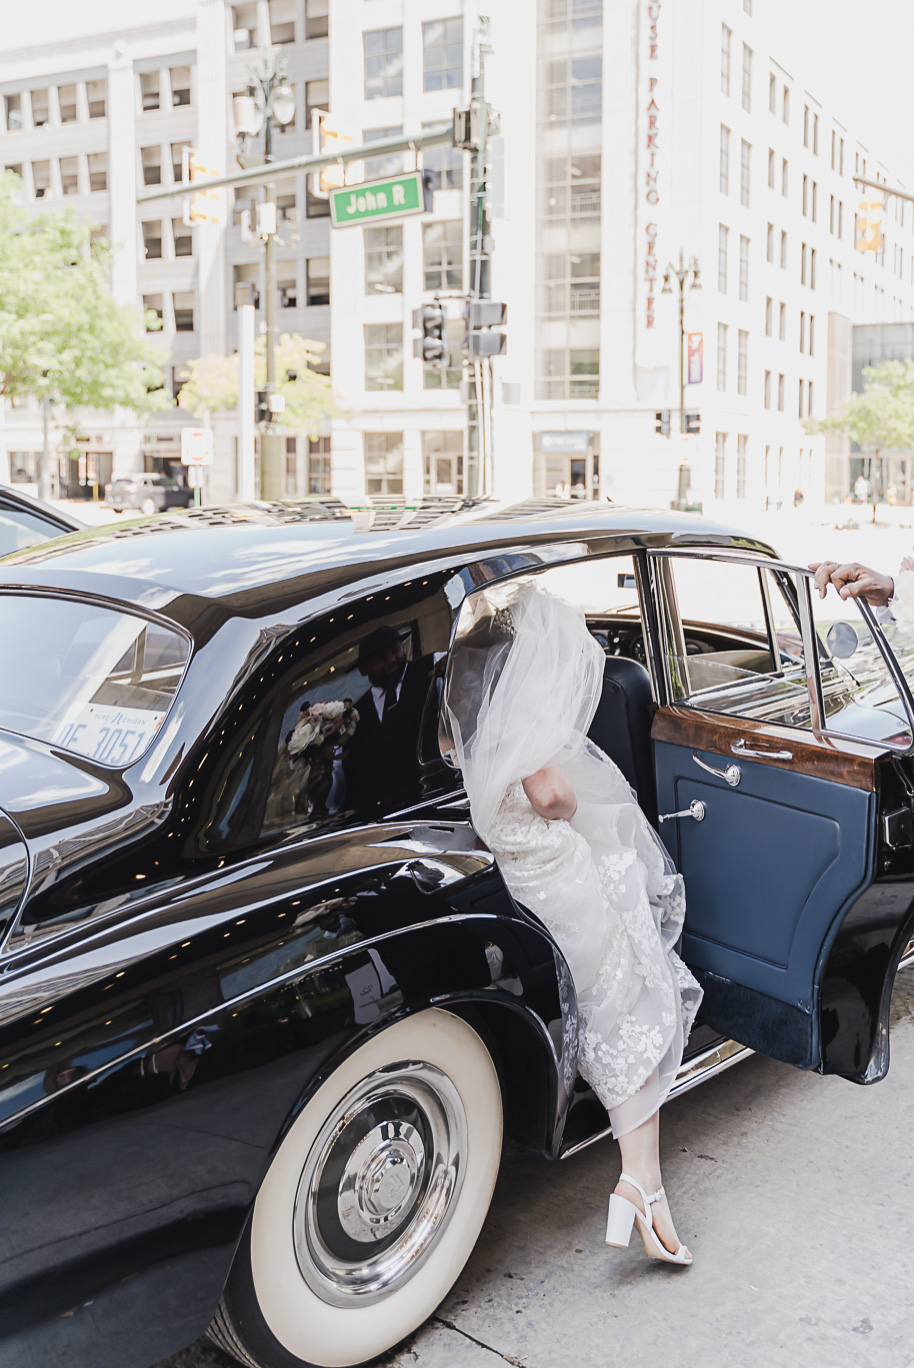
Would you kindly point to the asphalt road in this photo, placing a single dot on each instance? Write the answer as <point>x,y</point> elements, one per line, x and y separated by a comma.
<point>794,1193</point>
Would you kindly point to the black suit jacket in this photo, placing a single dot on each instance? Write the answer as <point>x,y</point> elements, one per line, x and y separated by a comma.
<point>382,767</point>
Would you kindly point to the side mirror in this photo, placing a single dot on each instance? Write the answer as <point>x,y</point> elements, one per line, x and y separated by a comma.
<point>842,640</point>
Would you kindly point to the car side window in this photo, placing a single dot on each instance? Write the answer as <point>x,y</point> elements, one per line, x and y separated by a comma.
<point>732,639</point>
<point>606,588</point>
<point>331,727</point>
<point>20,528</point>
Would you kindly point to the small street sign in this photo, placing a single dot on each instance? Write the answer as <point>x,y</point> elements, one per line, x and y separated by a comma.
<point>196,446</point>
<point>392,198</point>
<point>195,477</point>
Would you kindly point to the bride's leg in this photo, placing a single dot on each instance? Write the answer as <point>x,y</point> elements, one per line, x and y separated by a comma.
<point>640,1148</point>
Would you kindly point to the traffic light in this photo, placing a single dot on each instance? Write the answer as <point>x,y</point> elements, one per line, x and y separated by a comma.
<point>432,345</point>
<point>693,422</point>
<point>261,411</point>
<point>479,317</point>
<point>662,425</point>
<point>868,225</point>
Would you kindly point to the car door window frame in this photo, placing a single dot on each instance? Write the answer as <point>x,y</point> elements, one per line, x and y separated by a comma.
<point>791,577</point>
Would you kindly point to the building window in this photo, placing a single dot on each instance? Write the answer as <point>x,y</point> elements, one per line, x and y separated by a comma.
<point>246,282</point>
<point>720,463</point>
<point>812,268</point>
<point>434,377</point>
<point>724,159</point>
<point>782,323</point>
<point>383,63</point>
<point>767,389</point>
<point>785,110</point>
<point>442,454</point>
<point>67,103</point>
<point>586,89</point>
<point>152,165</point>
<point>745,152</point>
<point>747,7</point>
<point>96,96</point>
<point>742,442</point>
<point>780,394</point>
<point>568,373</point>
<point>384,259</point>
<point>725,36</point>
<point>784,177</point>
<point>803,259</point>
<point>149,90</point>
<point>317,96</point>
<point>806,125</point>
<point>317,281</point>
<point>320,466</point>
<point>390,163</point>
<point>771,166</point>
<point>841,158</point>
<point>721,356</point>
<point>743,268</point>
<point>769,316</point>
<point>384,356</point>
<point>180,86</point>
<point>317,18</point>
<point>840,218</point>
<point>183,238</point>
<point>831,213</point>
<point>815,202</point>
<point>287,284</point>
<point>282,21</point>
<point>783,251</point>
<point>444,165</point>
<point>383,463</point>
<point>153,303</point>
<point>802,331</point>
<point>722,236</point>
<point>39,99</point>
<point>442,54</point>
<point>177,160</point>
<point>772,94</point>
<point>183,304</point>
<point>152,239</point>
<point>747,76</point>
<point>769,244</point>
<point>13,112</point>
<point>805,194</point>
<point>244,26</point>
<point>809,399</point>
<point>98,170</point>
<point>742,361</point>
<point>315,206</point>
<point>812,333</point>
<point>69,175</point>
<point>442,255</point>
<point>815,135</point>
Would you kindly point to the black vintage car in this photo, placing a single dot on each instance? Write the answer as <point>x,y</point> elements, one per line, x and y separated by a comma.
<point>265,1002</point>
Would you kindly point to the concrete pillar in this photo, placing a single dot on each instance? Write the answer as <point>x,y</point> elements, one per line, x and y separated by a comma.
<point>122,176</point>
<point>209,238</point>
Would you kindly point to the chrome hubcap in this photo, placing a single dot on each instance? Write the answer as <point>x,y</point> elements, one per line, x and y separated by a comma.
<point>380,1184</point>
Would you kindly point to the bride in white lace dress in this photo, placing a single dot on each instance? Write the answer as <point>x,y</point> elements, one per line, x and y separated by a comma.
<point>575,848</point>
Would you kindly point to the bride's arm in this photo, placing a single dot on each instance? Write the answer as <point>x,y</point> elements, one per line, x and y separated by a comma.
<point>550,793</point>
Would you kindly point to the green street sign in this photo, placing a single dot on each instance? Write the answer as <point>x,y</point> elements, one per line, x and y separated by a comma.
<point>392,198</point>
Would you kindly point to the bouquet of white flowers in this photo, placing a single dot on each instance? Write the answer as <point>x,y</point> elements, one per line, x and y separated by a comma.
<point>331,721</point>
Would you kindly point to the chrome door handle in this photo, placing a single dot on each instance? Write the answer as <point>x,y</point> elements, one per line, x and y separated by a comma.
<point>731,774</point>
<point>741,748</point>
<point>695,809</point>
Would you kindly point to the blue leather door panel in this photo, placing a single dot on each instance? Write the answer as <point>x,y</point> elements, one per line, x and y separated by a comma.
<point>769,870</point>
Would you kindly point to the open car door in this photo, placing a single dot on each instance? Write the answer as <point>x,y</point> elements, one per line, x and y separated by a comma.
<point>785,797</point>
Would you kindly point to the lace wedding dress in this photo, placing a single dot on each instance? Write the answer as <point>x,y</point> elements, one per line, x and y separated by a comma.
<point>523,687</point>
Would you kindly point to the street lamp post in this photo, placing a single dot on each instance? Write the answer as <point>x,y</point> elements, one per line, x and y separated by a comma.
<point>269,98</point>
<point>687,278</point>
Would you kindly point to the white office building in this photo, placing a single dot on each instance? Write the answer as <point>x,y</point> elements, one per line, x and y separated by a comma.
<point>629,132</point>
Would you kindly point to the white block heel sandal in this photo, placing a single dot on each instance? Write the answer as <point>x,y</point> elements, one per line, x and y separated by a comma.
<point>622,1216</point>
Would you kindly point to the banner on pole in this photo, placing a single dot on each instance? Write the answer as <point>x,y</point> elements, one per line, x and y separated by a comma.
<point>695,367</point>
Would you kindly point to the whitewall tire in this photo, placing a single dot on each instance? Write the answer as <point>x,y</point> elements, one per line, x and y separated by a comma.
<point>374,1200</point>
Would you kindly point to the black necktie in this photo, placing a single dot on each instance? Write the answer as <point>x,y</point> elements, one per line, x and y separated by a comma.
<point>390,701</point>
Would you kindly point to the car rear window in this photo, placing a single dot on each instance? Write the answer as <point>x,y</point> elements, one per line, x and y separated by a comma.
<point>95,681</point>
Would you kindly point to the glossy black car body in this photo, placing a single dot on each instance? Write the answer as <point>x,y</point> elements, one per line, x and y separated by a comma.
<point>182,976</point>
<point>24,521</point>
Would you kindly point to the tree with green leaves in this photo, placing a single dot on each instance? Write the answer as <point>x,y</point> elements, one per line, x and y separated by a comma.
<point>213,382</point>
<point>878,420</point>
<point>64,339</point>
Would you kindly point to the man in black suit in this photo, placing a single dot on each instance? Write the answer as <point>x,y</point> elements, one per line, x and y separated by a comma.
<point>382,767</point>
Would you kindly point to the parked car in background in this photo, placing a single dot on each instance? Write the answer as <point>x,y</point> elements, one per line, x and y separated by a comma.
<point>25,521</point>
<point>266,1003</point>
<point>148,493</point>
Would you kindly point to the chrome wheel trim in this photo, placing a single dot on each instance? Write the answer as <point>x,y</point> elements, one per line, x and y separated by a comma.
<point>380,1184</point>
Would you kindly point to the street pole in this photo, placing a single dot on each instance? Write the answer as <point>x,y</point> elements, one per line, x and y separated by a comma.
<point>681,274</point>
<point>479,260</point>
<point>247,487</point>
<point>272,472</point>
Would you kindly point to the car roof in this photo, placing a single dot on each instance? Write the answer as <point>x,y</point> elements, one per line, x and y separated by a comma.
<point>258,557</point>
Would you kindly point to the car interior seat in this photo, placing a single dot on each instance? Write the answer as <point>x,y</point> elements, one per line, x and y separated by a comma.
<point>622,727</point>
